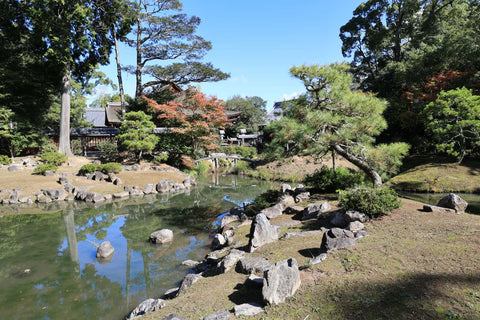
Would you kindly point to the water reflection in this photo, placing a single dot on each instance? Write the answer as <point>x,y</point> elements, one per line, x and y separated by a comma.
<point>49,266</point>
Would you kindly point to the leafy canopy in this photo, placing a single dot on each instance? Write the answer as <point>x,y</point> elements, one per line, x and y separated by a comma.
<point>195,116</point>
<point>453,120</point>
<point>335,118</point>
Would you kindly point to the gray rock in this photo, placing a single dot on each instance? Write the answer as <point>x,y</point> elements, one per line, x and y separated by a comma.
<point>188,281</point>
<point>294,210</point>
<point>122,194</point>
<point>303,196</point>
<point>361,234</point>
<point>351,216</point>
<point>281,281</point>
<point>435,209</point>
<point>105,250</point>
<point>355,226</point>
<point>14,195</point>
<point>227,219</point>
<point>89,176</point>
<point>98,176</point>
<point>286,200</point>
<point>161,236</point>
<point>337,218</point>
<point>171,293</point>
<point>219,315</point>
<point>290,235</point>
<point>117,181</point>
<point>149,189</point>
<point>321,257</point>
<point>43,199</point>
<point>163,186</point>
<point>252,265</point>
<point>173,316</point>
<point>261,232</point>
<point>218,241</point>
<point>247,309</point>
<point>190,263</point>
<point>107,196</point>
<point>254,281</point>
<point>55,194</point>
<point>111,176</point>
<point>146,306</point>
<point>64,180</point>
<point>49,173</point>
<point>285,187</point>
<point>14,167</point>
<point>453,201</point>
<point>314,210</point>
<point>27,162</point>
<point>237,211</point>
<point>273,212</point>
<point>136,192</point>
<point>94,197</point>
<point>337,238</point>
<point>68,187</point>
<point>230,260</point>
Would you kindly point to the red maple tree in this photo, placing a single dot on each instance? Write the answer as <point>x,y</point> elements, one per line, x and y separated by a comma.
<point>194,115</point>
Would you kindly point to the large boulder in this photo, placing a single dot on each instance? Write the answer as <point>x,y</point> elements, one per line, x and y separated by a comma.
<point>337,238</point>
<point>230,260</point>
<point>15,167</point>
<point>286,200</point>
<point>163,186</point>
<point>105,250</point>
<point>188,281</point>
<point>161,236</point>
<point>261,232</point>
<point>218,241</point>
<point>247,309</point>
<point>146,306</point>
<point>273,212</point>
<point>281,281</point>
<point>219,315</point>
<point>453,201</point>
<point>314,210</point>
<point>252,265</point>
<point>55,194</point>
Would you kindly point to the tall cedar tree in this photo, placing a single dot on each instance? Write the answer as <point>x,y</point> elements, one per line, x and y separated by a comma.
<point>197,118</point>
<point>75,38</point>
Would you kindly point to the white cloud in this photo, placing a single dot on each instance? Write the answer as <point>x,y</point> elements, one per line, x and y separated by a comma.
<point>290,96</point>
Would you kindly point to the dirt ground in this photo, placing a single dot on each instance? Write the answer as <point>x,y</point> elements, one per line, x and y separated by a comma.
<point>414,265</point>
<point>31,184</point>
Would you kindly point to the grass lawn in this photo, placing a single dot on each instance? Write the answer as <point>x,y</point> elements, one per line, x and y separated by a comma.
<point>414,265</point>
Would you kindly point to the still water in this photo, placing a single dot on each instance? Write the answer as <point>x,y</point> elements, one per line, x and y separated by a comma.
<point>48,268</point>
<point>433,198</point>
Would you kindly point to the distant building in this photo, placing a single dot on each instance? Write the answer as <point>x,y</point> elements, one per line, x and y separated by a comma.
<point>276,113</point>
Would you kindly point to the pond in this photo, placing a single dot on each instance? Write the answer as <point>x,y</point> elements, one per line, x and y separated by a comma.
<point>48,265</point>
<point>433,198</point>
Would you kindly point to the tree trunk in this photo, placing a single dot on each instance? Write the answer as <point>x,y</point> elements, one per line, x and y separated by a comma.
<point>138,71</point>
<point>64,138</point>
<point>365,167</point>
<point>119,73</point>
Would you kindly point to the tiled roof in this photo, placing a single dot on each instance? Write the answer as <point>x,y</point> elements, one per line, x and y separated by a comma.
<point>96,116</point>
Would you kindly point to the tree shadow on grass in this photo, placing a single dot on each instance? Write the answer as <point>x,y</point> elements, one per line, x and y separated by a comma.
<point>420,296</point>
<point>246,293</point>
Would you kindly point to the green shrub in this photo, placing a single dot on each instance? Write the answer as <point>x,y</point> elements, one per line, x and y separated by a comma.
<point>372,201</point>
<point>89,168</point>
<point>242,166</point>
<point>109,149</point>
<point>110,167</point>
<point>329,180</point>
<point>5,160</point>
<point>262,201</point>
<point>202,167</point>
<point>54,158</point>
<point>161,158</point>
<point>42,168</point>
<point>49,147</point>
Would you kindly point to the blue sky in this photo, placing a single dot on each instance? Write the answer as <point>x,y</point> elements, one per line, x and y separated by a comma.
<point>257,41</point>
